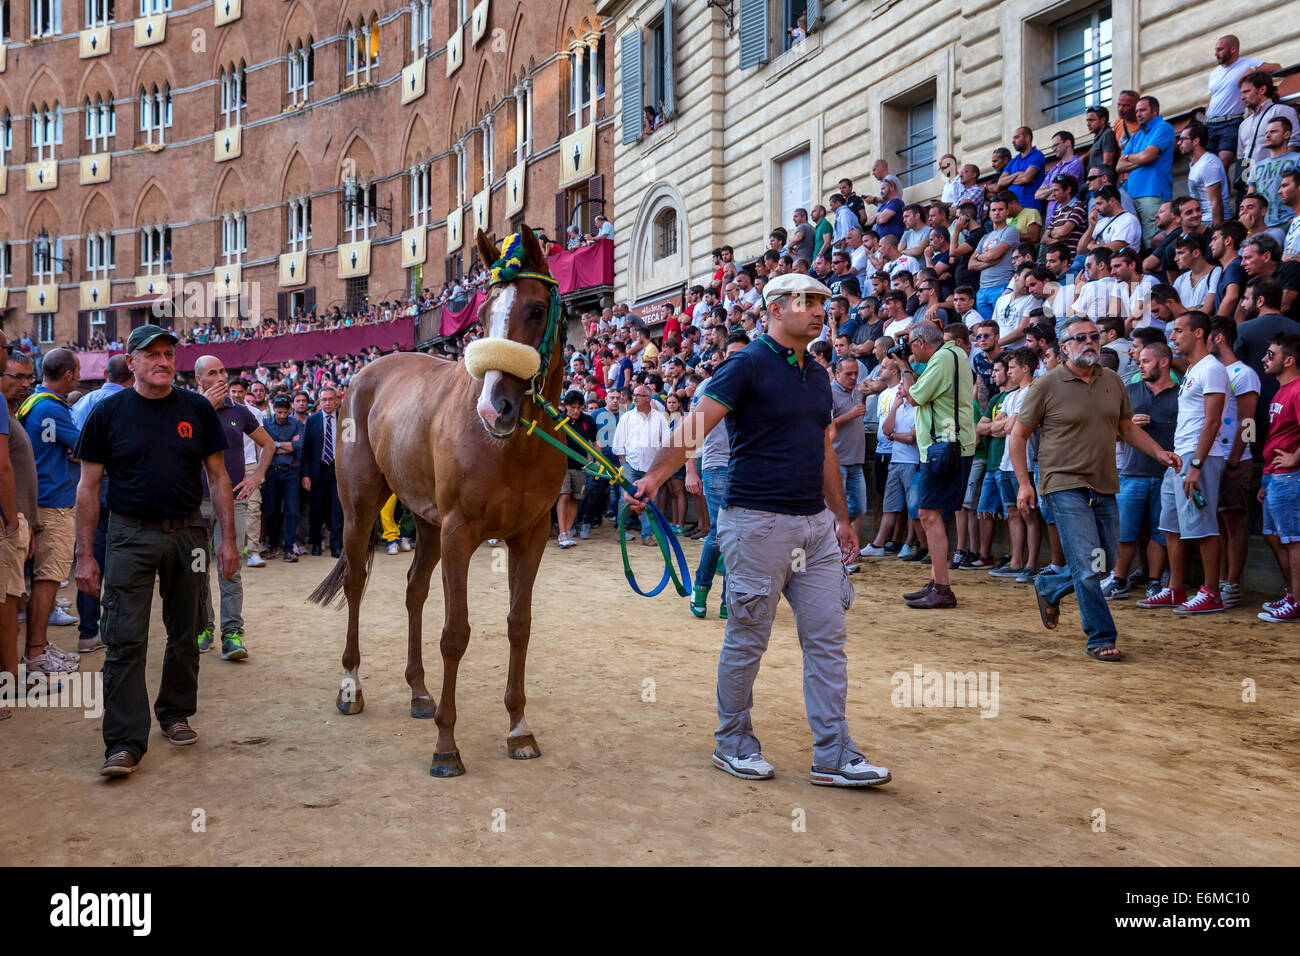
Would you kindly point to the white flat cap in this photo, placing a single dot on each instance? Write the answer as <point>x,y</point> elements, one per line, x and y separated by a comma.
<point>794,283</point>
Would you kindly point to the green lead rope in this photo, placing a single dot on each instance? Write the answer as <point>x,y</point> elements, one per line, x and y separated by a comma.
<point>598,466</point>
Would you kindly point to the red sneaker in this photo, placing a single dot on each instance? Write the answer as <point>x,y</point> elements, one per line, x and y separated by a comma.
<point>1288,613</point>
<point>1202,602</point>
<point>1167,598</point>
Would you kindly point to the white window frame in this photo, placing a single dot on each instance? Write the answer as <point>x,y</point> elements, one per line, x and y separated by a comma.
<point>49,13</point>
<point>100,254</point>
<point>45,328</point>
<point>916,142</point>
<point>461,173</point>
<point>6,137</point>
<point>46,130</point>
<point>98,13</point>
<point>234,237</point>
<point>233,96</point>
<point>302,69</point>
<point>299,223</point>
<point>101,122</point>
<point>421,28</point>
<point>359,218</point>
<point>359,61</point>
<point>419,194</point>
<point>1098,85</point>
<point>155,113</point>
<point>489,149</point>
<point>150,7</point>
<point>154,241</point>
<point>6,264</point>
<point>98,322</point>
<point>46,276</point>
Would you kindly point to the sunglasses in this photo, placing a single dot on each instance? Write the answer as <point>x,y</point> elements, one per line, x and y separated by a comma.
<point>1085,337</point>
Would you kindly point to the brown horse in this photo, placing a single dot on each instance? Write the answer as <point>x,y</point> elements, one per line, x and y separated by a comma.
<point>446,444</point>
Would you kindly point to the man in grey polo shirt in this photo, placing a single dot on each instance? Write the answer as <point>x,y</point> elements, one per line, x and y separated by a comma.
<point>784,529</point>
<point>850,441</point>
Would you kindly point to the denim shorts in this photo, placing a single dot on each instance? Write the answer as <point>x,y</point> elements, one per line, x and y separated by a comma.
<point>914,494</point>
<point>1282,505</point>
<point>1044,508</point>
<point>991,495</point>
<point>897,483</point>
<point>977,469</point>
<point>1223,136</point>
<point>1139,507</point>
<point>943,492</point>
<point>1009,484</point>
<point>1178,512</point>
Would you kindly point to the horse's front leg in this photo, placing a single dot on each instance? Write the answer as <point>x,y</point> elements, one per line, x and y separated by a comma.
<point>526,551</point>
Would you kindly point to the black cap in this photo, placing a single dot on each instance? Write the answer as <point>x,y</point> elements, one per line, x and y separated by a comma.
<point>145,334</point>
<point>282,401</point>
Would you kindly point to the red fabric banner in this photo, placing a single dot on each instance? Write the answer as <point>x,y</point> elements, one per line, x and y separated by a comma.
<point>399,334</point>
<point>453,323</point>
<point>583,268</point>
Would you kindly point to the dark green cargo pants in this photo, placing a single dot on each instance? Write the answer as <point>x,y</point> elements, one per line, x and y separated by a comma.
<point>132,556</point>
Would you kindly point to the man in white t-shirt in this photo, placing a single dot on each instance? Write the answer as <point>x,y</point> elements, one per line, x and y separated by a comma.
<point>1189,501</point>
<point>1198,280</point>
<point>253,509</point>
<point>1100,296</point>
<point>1234,487</point>
<point>1109,225</point>
<point>1011,311</point>
<point>1207,179</point>
<point>892,525</point>
<point>1135,286</point>
<point>1224,110</point>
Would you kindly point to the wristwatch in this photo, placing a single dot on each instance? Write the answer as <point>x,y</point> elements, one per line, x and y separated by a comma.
<point>1197,463</point>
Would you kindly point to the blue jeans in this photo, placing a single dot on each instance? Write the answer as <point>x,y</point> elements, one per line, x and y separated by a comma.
<point>1089,538</point>
<point>855,489</point>
<point>280,506</point>
<point>986,299</point>
<point>632,475</point>
<point>715,483</point>
<point>88,604</point>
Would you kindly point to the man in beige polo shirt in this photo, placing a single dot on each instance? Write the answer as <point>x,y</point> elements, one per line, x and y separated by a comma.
<point>1082,408</point>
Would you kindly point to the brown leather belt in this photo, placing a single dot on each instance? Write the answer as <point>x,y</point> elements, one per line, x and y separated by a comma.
<point>193,520</point>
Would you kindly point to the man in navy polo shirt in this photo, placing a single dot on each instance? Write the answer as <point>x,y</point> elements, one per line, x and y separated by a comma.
<point>1024,174</point>
<point>784,529</point>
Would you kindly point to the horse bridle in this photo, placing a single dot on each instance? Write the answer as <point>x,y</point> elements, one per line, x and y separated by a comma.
<point>510,268</point>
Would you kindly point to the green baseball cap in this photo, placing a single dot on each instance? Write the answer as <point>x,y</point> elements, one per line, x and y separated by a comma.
<point>145,334</point>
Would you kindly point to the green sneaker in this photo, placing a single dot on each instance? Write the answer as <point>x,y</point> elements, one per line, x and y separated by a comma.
<point>205,640</point>
<point>232,646</point>
<point>722,610</point>
<point>699,602</point>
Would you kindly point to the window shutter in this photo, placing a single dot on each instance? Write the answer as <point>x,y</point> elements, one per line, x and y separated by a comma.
<point>596,187</point>
<point>813,13</point>
<point>670,108</point>
<point>282,306</point>
<point>561,217</point>
<point>753,33</point>
<point>309,299</point>
<point>629,46</point>
<point>83,329</point>
<point>110,324</point>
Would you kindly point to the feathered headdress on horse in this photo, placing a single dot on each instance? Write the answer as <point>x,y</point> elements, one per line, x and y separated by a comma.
<point>506,355</point>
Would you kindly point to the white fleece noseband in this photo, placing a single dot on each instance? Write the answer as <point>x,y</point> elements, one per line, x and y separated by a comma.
<point>502,355</point>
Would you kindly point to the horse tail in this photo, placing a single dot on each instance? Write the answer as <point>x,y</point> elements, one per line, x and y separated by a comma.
<point>329,589</point>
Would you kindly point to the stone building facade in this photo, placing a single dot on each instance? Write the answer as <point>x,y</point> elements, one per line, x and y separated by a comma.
<point>304,153</point>
<point>759,125</point>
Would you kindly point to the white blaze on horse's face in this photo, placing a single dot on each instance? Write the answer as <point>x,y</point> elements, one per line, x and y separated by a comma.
<point>498,325</point>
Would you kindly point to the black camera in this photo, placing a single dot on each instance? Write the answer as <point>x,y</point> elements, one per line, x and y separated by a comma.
<point>902,350</point>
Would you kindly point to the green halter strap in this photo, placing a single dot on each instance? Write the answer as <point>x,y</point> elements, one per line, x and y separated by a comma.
<point>509,268</point>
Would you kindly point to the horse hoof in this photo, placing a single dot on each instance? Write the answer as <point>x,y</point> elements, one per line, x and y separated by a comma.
<point>447,765</point>
<point>523,747</point>
<point>423,708</point>
<point>351,702</point>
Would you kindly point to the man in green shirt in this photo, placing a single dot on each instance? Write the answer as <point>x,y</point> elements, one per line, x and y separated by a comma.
<point>823,235</point>
<point>944,397</point>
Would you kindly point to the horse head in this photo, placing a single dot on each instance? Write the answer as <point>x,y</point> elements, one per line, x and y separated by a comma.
<point>516,317</point>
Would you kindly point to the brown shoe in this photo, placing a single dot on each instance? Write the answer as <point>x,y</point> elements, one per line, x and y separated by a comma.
<point>650,542</point>
<point>1050,614</point>
<point>119,764</point>
<point>180,733</point>
<point>917,595</point>
<point>939,597</point>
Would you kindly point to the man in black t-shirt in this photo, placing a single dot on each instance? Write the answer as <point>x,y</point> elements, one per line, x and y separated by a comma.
<point>153,441</point>
<point>575,479</point>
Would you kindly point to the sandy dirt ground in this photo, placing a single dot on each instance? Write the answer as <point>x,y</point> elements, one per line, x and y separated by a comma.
<point>1184,770</point>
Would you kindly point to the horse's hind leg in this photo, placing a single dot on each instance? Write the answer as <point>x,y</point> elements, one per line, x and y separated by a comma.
<point>525,556</point>
<point>362,492</point>
<point>428,548</point>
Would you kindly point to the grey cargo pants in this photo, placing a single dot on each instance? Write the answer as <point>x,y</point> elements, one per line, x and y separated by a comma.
<point>767,555</point>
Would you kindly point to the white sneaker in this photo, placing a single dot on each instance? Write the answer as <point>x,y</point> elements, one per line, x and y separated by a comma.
<point>393,547</point>
<point>566,541</point>
<point>750,767</point>
<point>60,618</point>
<point>59,653</point>
<point>47,664</point>
<point>404,544</point>
<point>62,602</point>
<point>255,560</point>
<point>856,773</point>
<point>585,531</point>
<point>871,551</point>
<point>1230,594</point>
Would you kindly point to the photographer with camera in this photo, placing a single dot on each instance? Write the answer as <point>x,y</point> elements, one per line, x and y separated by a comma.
<point>945,438</point>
